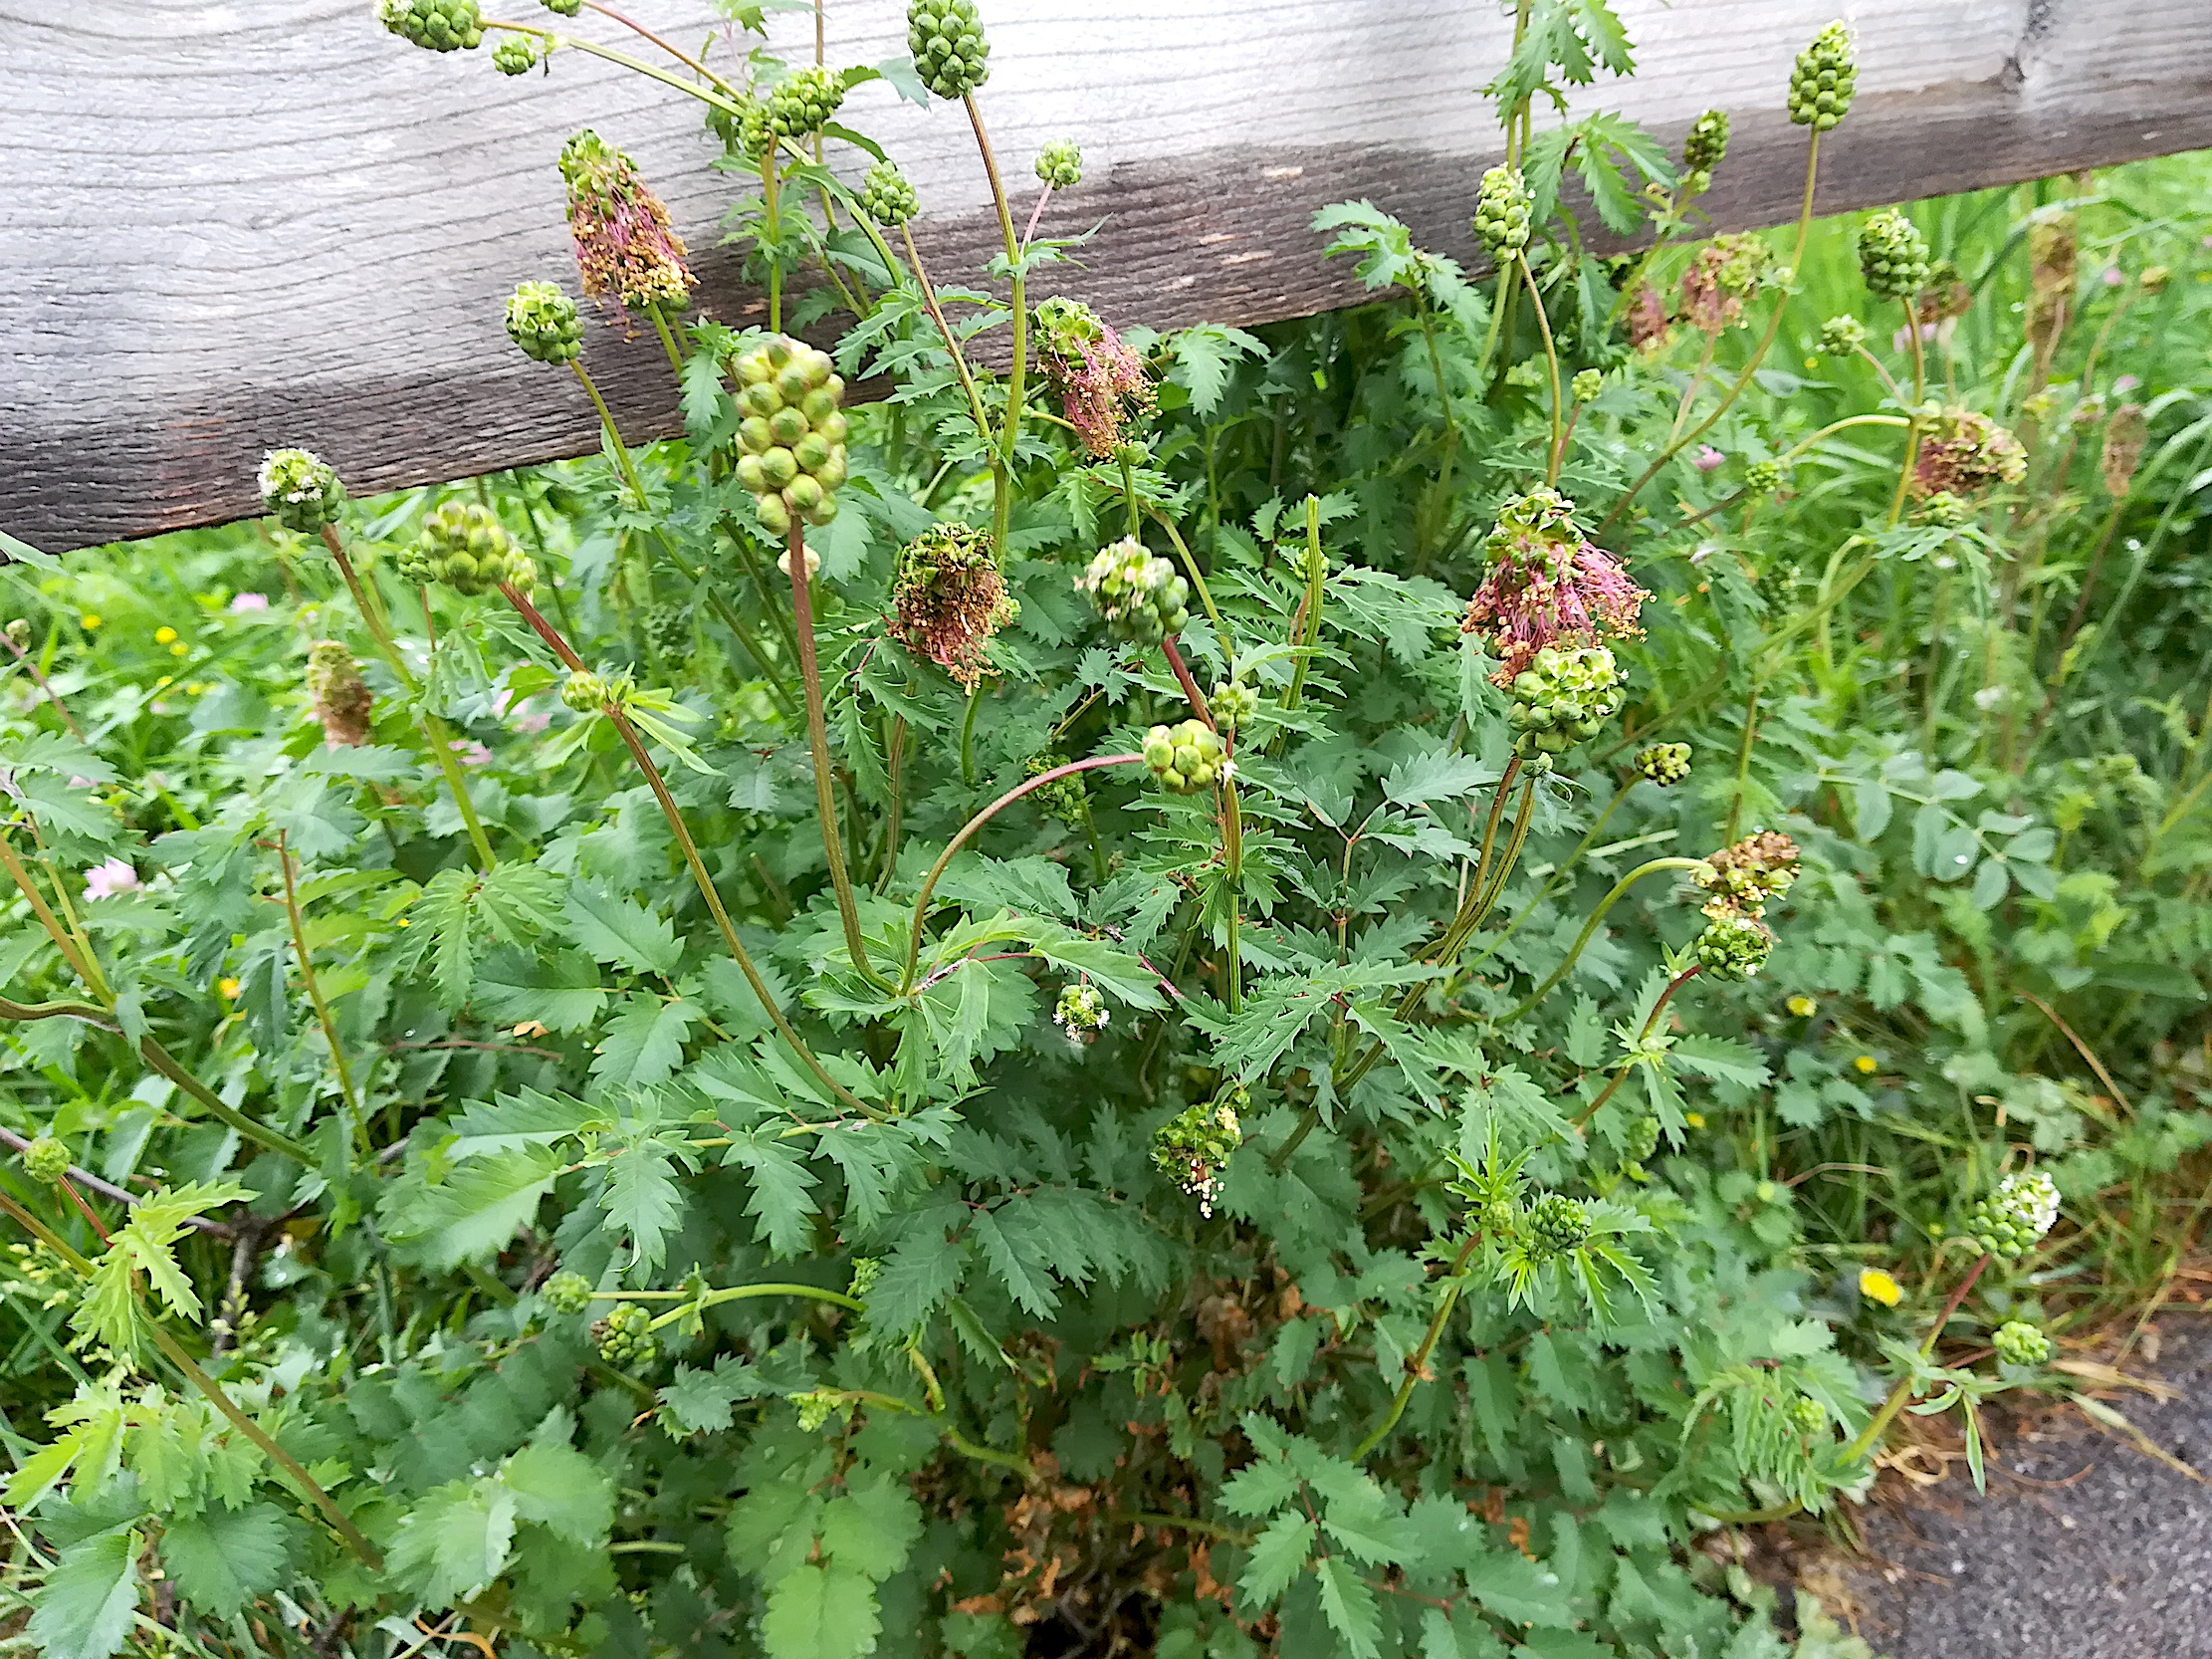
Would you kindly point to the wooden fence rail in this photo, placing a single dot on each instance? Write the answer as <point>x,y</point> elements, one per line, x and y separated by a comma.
<point>234,225</point>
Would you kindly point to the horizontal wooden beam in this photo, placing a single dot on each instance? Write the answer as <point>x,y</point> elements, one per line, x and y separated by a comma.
<point>233,227</point>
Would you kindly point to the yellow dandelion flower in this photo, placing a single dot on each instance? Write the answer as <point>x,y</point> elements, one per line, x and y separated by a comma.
<point>180,649</point>
<point>1695,1119</point>
<point>1876,1285</point>
<point>1802,1005</point>
<point>1864,1064</point>
<point>229,988</point>
<point>162,636</point>
<point>91,620</point>
<point>404,922</point>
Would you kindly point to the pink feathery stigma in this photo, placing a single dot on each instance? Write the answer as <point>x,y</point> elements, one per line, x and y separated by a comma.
<point>1524,606</point>
<point>1101,390</point>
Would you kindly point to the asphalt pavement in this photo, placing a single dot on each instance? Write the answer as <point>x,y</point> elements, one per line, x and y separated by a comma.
<point>2084,1548</point>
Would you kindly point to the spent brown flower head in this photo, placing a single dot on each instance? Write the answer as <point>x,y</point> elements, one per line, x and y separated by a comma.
<point>1727,272</point>
<point>948,600</point>
<point>1740,880</point>
<point>1646,317</point>
<point>625,246</point>
<point>1548,585</point>
<point>1102,383</point>
<point>2124,448</point>
<point>1963,452</point>
<point>341,697</point>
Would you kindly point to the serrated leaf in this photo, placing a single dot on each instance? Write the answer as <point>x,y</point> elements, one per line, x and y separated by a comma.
<point>817,1612</point>
<point>783,1202</point>
<point>1278,1556</point>
<point>222,1559</point>
<point>1018,1270</point>
<point>82,1610</point>
<point>872,1527</point>
<point>645,1041</point>
<point>620,930</point>
<point>454,1541</point>
<point>1349,1607</point>
<point>558,1486</point>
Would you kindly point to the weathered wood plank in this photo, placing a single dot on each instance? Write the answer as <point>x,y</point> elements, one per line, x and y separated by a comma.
<point>239,225</point>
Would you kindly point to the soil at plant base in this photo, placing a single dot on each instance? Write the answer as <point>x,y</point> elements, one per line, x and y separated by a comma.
<point>2085,1547</point>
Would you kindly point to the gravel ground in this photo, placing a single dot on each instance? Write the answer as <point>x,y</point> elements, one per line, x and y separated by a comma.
<point>2109,1557</point>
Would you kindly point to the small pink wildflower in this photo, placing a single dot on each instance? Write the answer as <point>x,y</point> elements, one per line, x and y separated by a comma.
<point>471,753</point>
<point>1708,459</point>
<point>243,602</point>
<point>533,723</point>
<point>1547,583</point>
<point>2125,384</point>
<point>108,879</point>
<point>1102,383</point>
<point>2114,276</point>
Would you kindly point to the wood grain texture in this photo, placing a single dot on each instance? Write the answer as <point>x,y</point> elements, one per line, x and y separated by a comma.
<point>235,225</point>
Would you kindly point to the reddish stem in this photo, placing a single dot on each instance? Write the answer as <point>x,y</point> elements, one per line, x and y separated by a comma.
<point>1190,686</point>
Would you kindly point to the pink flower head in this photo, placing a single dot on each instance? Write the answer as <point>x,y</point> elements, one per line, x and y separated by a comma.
<point>625,245</point>
<point>2114,276</point>
<point>471,753</point>
<point>2125,384</point>
<point>1646,317</point>
<point>108,879</point>
<point>1102,383</point>
<point>1547,585</point>
<point>243,602</point>
<point>1708,459</point>
<point>533,723</point>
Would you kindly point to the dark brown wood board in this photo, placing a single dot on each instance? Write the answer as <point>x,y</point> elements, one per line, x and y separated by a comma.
<point>240,223</point>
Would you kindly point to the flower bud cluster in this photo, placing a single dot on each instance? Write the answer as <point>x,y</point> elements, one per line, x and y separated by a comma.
<point>1706,144</point>
<point>2013,1220</point>
<point>800,104</point>
<point>341,697</point>
<point>1664,763</point>
<point>436,25</point>
<point>1082,1013</point>
<point>1563,697</point>
<point>1733,946</point>
<point>1195,1146</point>
<point>1823,78</point>
<point>1763,478</point>
<point>1139,596</point>
<point>887,195</point>
<point>1641,1142</point>
<point>1727,271</point>
<point>1234,705</point>
<point>46,1160</point>
<point>1502,209</point>
<point>1557,1226</point>
<point>1740,880</point>
<point>562,8</point>
<point>1185,758</point>
<point>945,38</point>
<point>948,600</point>
<point>1892,255</point>
<point>299,491</point>
<point>2020,1343</point>
<point>542,321</point>
<point>625,1338</point>
<point>1061,164</point>
<point>792,435</point>
<point>568,1293</point>
<point>1063,798</point>
<point>1585,384</point>
<point>1842,336</point>
<point>463,544</point>
<point>590,694</point>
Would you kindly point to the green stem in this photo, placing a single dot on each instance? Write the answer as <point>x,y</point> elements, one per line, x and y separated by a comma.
<point>592,49</point>
<point>1621,1071</point>
<point>1233,860</point>
<point>1558,875</point>
<point>968,732</point>
<point>434,730</point>
<point>1002,506</point>
<point>690,849</point>
<point>1558,452</point>
<point>969,831</point>
<point>1198,580</point>
<point>817,743</point>
<point>1418,1365</point>
<point>668,340</point>
<point>1308,629</point>
<point>315,988</point>
<point>1590,928</point>
<point>960,360</point>
<point>1904,1391</point>
<point>748,1293</point>
<point>1190,686</point>
<point>1758,356</point>
<point>1743,762</point>
<point>1129,494</point>
<point>172,1351</point>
